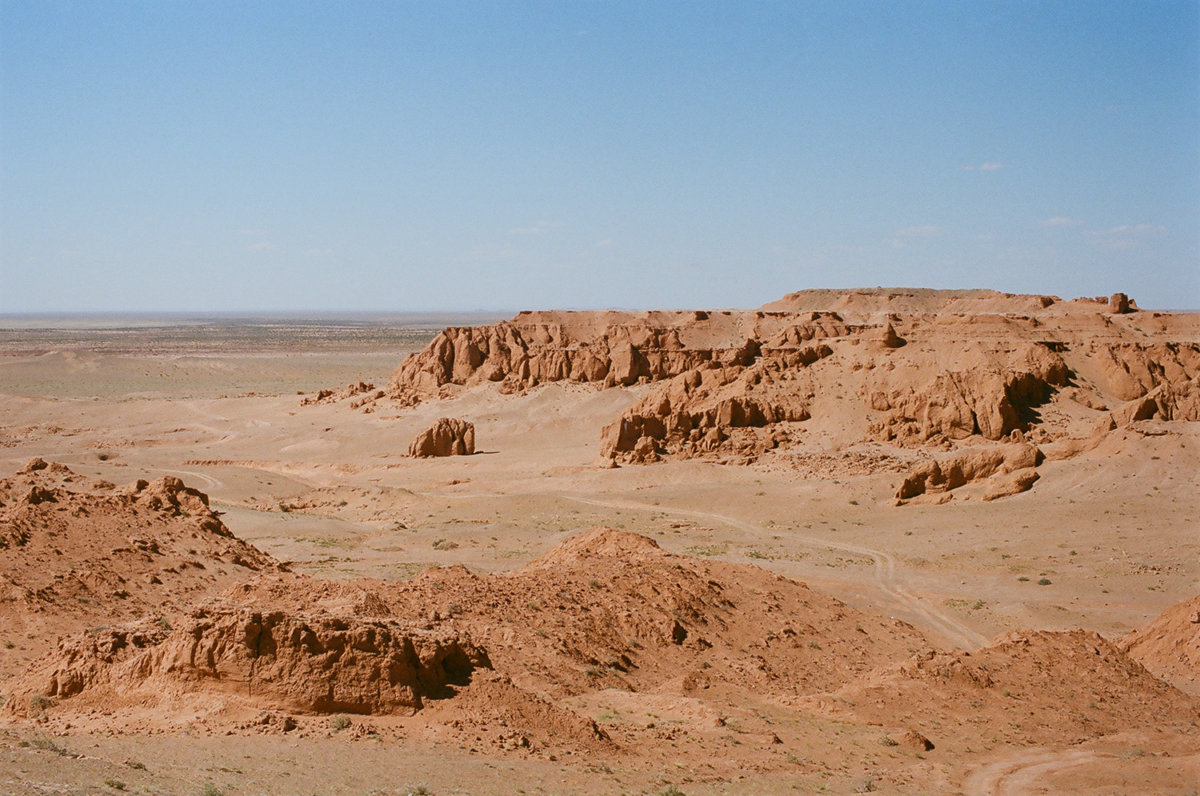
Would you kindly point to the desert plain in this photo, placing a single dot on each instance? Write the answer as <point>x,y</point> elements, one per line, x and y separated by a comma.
<point>891,540</point>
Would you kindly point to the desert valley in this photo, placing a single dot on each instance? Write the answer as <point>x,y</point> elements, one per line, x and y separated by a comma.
<point>893,540</point>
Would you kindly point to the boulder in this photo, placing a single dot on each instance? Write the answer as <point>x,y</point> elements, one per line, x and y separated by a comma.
<point>1015,483</point>
<point>1015,463</point>
<point>1142,408</point>
<point>447,437</point>
<point>888,337</point>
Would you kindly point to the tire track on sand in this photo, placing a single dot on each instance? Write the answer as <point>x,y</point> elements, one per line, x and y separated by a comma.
<point>885,566</point>
<point>1020,773</point>
<point>209,481</point>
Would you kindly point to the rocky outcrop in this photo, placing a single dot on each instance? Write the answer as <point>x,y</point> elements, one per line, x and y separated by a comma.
<point>912,300</point>
<point>1167,373</point>
<point>1178,400</point>
<point>359,393</point>
<point>447,437</point>
<point>1011,484</point>
<point>912,368</point>
<point>739,410</point>
<point>990,400</point>
<point>888,337</point>
<point>304,664</point>
<point>604,609</point>
<point>523,355</point>
<point>1130,370</point>
<point>611,349</point>
<point>1015,463</point>
<point>76,552</point>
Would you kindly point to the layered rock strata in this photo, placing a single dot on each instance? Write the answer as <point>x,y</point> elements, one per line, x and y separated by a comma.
<point>908,368</point>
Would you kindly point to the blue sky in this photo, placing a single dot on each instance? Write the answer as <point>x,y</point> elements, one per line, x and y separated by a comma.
<point>231,156</point>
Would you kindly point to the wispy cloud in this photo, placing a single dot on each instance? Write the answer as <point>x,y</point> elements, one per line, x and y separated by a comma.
<point>536,229</point>
<point>901,237</point>
<point>604,244</point>
<point>924,231</point>
<point>1126,236</point>
<point>1136,229</point>
<point>487,252</point>
<point>985,166</point>
<point>262,246</point>
<point>1060,221</point>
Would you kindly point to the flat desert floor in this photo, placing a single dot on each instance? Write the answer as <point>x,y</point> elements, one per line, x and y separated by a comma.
<point>1106,541</point>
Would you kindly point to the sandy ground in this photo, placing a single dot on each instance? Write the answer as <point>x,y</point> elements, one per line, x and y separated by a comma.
<point>1105,542</point>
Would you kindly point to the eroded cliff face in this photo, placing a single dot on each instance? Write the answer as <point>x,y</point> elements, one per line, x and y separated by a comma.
<point>613,349</point>
<point>986,391</point>
<point>909,368</point>
<point>745,407</point>
<point>302,663</point>
<point>1164,371</point>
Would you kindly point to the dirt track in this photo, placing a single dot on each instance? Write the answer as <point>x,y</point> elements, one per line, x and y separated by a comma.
<point>938,623</point>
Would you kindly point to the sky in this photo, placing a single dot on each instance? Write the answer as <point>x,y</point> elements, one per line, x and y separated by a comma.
<point>295,156</point>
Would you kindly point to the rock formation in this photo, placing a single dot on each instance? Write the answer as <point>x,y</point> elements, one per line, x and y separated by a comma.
<point>500,656</point>
<point>746,408</point>
<point>447,437</point>
<point>605,608</point>
<point>76,552</point>
<point>911,368</point>
<point>1015,464</point>
<point>360,393</point>
<point>888,337</point>
<point>979,396</point>
<point>291,662</point>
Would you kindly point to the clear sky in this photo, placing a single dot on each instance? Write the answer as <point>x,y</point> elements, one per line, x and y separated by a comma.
<point>232,156</point>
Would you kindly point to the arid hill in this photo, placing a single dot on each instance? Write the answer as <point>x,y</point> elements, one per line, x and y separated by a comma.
<point>503,657</point>
<point>605,609</point>
<point>515,663</point>
<point>922,369</point>
<point>1170,645</point>
<point>610,608</point>
<point>1027,687</point>
<point>76,552</point>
